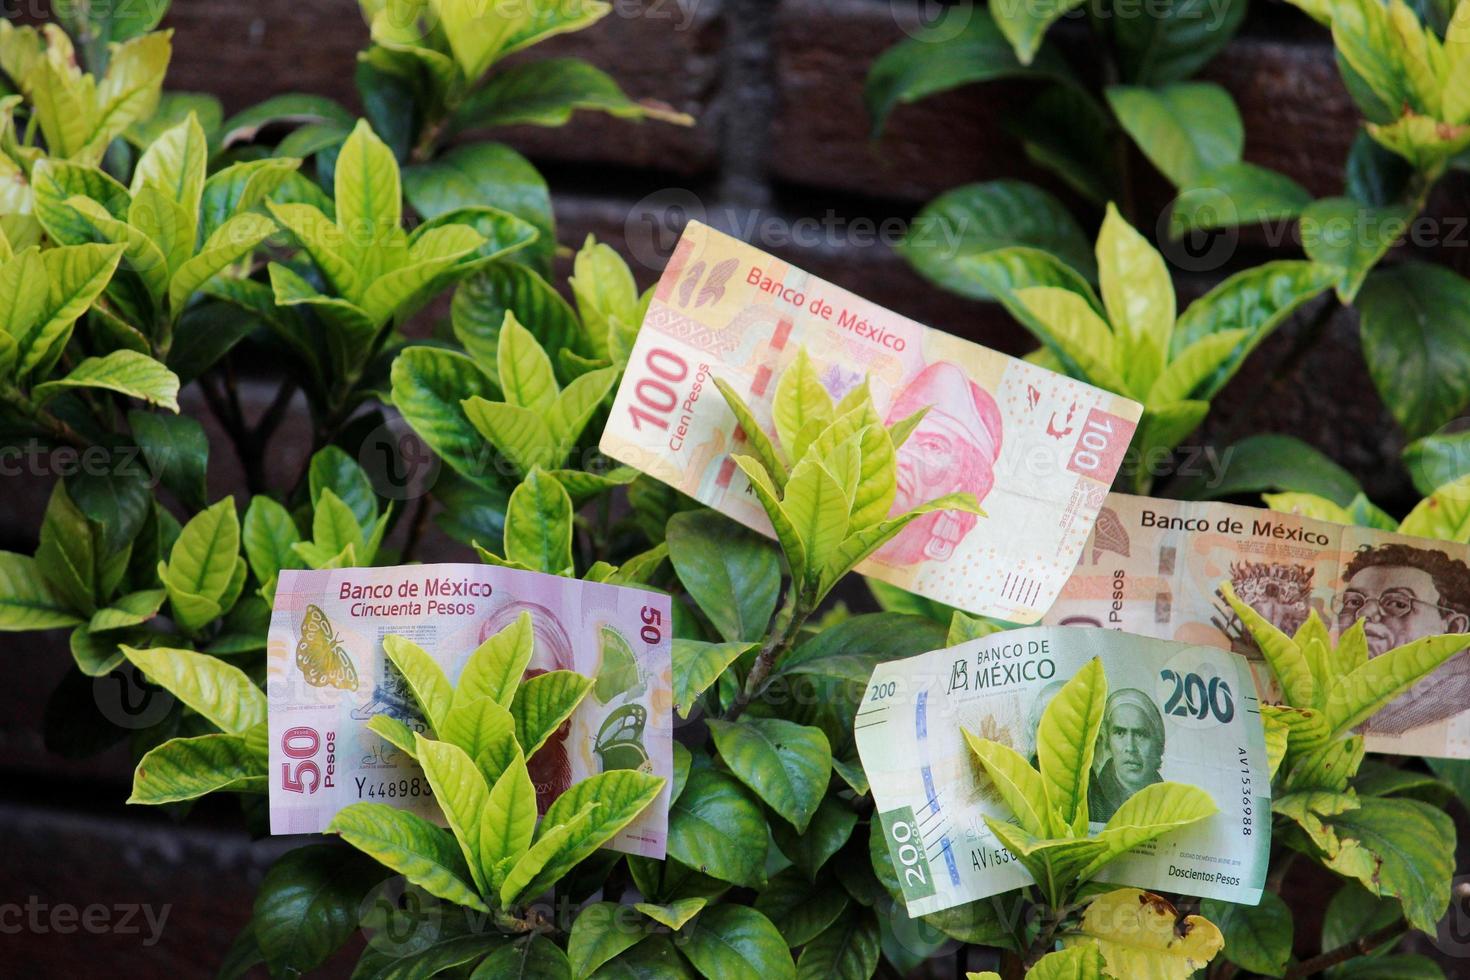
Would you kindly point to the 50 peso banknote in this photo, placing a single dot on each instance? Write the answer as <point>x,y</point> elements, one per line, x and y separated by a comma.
<point>1037,449</point>
<point>1177,712</point>
<point>327,676</point>
<point>1153,567</point>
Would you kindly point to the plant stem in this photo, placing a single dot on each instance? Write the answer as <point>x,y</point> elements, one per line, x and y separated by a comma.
<point>788,622</point>
<point>54,426</point>
<point>1361,946</point>
<point>415,530</point>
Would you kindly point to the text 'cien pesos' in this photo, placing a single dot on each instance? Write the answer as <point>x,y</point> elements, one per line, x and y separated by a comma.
<point>845,318</point>
<point>432,596</point>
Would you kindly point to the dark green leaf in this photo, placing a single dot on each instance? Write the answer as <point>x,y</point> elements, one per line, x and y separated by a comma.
<point>1169,42</point>
<point>332,469</point>
<point>800,909</point>
<point>737,941</point>
<point>1258,938</point>
<point>830,828</point>
<point>717,827</point>
<point>1417,353</point>
<point>481,302</point>
<point>307,906</point>
<point>786,764</point>
<point>485,174</point>
<point>534,958</point>
<point>546,93</point>
<point>177,452</point>
<point>186,768</point>
<point>655,958</point>
<point>979,218</point>
<point>1070,133</point>
<point>973,51</point>
<point>1410,854</point>
<point>600,932</point>
<point>1351,237</point>
<point>428,385</point>
<point>1376,176</point>
<point>1186,129</point>
<point>732,573</point>
<point>1236,194</point>
<point>1271,461</point>
<point>847,950</point>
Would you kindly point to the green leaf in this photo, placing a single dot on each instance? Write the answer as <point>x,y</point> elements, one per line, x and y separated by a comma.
<point>410,845</point>
<point>476,35</point>
<point>428,385</point>
<point>801,910</point>
<point>231,242</point>
<point>395,733</point>
<point>538,524</point>
<point>945,59</point>
<point>1258,938</point>
<point>481,303</point>
<point>123,371</point>
<point>1287,662</point>
<point>463,798</point>
<point>732,573</point>
<point>27,601</point>
<point>801,407</point>
<point>177,452</point>
<point>268,534</point>
<point>332,469</point>
<point>611,799</point>
<point>1151,812</point>
<point>431,690</point>
<point>575,406</point>
<point>717,827</point>
<point>1357,696</point>
<point>1186,129</point>
<point>830,828</point>
<point>175,164</point>
<point>1172,41</point>
<point>675,915</point>
<point>786,764</point>
<point>1083,962</point>
<point>1020,786</point>
<point>1258,300</point>
<point>223,694</point>
<point>1236,194</point>
<point>536,958</point>
<point>480,725</point>
<point>1405,845</point>
<point>1138,295</point>
<point>552,842</point>
<point>525,371</point>
<point>129,610</point>
<point>202,560</point>
<point>605,292</point>
<point>308,904</point>
<point>1026,24</point>
<point>1272,461</point>
<point>76,275</point>
<point>1077,333</point>
<point>187,768</point>
<point>484,173</point>
<point>849,947</point>
<point>760,443</point>
<point>1442,514</point>
<point>1350,237</point>
<point>1194,365</point>
<point>817,507</point>
<point>546,92</point>
<point>165,222</point>
<point>735,940</point>
<point>697,665</point>
<point>333,528</point>
<point>521,435</point>
<point>494,670</point>
<point>1065,742</point>
<point>543,702</point>
<point>368,197</point>
<point>508,823</point>
<point>425,958</point>
<point>241,188</point>
<point>1419,361</point>
<point>599,933</point>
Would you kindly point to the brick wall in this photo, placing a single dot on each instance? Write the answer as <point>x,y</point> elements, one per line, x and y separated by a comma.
<point>781,134</point>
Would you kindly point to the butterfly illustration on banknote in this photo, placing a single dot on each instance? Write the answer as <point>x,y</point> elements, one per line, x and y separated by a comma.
<point>619,742</point>
<point>320,656</point>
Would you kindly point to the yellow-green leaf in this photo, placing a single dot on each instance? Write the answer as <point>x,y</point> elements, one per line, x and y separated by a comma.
<point>123,371</point>
<point>1285,657</point>
<point>1151,812</point>
<point>555,840</point>
<point>525,371</point>
<point>187,768</point>
<point>1078,332</point>
<point>462,795</point>
<point>817,507</point>
<point>1143,937</point>
<point>1358,695</point>
<point>799,404</point>
<point>538,524</point>
<point>521,435</point>
<point>1020,785</point>
<point>760,443</point>
<point>477,725</point>
<point>494,670</point>
<point>619,796</point>
<point>1065,742</point>
<point>223,694</point>
<point>786,532</point>
<point>425,678</point>
<point>508,823</point>
<point>542,703</point>
<point>423,853</point>
<point>1138,295</point>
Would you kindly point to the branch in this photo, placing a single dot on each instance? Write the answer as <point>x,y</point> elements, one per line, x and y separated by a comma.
<point>788,622</point>
<point>1361,946</point>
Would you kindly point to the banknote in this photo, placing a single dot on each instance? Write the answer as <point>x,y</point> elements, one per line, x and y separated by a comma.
<point>1175,712</point>
<point>327,676</point>
<point>1039,450</point>
<point>1153,567</point>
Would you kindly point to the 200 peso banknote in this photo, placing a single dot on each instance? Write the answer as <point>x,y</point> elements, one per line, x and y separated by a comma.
<point>1153,567</point>
<point>1039,450</point>
<point>327,676</point>
<point>1176,712</point>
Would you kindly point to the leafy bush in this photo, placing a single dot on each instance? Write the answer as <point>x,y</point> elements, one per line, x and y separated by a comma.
<point>152,247</point>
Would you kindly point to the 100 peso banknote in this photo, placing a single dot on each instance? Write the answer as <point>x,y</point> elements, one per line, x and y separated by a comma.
<point>327,676</point>
<point>1037,449</point>
<point>1153,567</point>
<point>1176,712</point>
